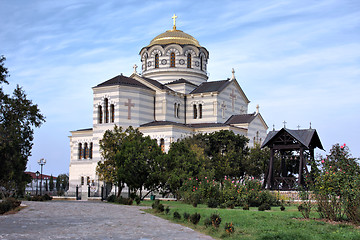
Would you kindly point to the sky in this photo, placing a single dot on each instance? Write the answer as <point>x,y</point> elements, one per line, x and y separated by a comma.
<point>299,60</point>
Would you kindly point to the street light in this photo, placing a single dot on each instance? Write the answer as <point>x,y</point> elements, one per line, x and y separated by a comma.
<point>37,181</point>
<point>41,162</point>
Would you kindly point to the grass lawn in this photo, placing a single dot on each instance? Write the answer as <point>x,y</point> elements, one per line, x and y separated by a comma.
<point>253,224</point>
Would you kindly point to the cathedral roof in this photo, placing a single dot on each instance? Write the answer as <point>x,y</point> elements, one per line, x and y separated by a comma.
<point>181,80</point>
<point>174,36</point>
<point>215,86</point>
<point>241,118</point>
<point>124,81</point>
<point>196,125</point>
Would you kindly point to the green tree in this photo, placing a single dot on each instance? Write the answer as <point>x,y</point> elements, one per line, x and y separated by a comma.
<point>51,183</point>
<point>131,159</point>
<point>257,161</point>
<point>18,117</point>
<point>185,159</point>
<point>227,152</point>
<point>109,145</point>
<point>63,181</point>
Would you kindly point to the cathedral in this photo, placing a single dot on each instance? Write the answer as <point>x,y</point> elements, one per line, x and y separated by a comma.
<point>171,98</point>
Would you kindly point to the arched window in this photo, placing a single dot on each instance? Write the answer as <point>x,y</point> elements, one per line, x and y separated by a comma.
<point>106,103</point>
<point>112,113</point>
<point>100,114</point>
<point>178,111</point>
<point>145,63</point>
<point>91,150</point>
<point>201,63</point>
<point>88,180</point>
<point>156,60</point>
<point>175,109</point>
<point>80,150</point>
<point>189,60</point>
<point>162,145</point>
<point>194,111</point>
<point>82,180</point>
<point>86,151</point>
<point>200,110</point>
<point>172,59</point>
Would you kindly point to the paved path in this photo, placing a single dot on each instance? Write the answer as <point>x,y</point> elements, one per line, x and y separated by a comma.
<point>89,220</point>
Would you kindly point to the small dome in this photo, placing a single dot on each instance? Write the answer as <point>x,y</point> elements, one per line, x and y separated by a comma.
<point>174,36</point>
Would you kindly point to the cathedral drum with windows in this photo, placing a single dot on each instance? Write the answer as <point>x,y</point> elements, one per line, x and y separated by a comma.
<point>170,99</point>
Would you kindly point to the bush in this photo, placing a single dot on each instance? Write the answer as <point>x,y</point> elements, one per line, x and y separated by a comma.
<point>137,200</point>
<point>186,216</point>
<point>111,198</point>
<point>124,201</point>
<point>167,210</point>
<point>215,220</point>
<point>337,185</point>
<point>222,206</point>
<point>195,218</point>
<point>157,206</point>
<point>9,204</point>
<point>246,207</point>
<point>229,228</point>
<point>207,222</point>
<point>177,215</point>
<point>47,197</point>
<point>212,203</point>
<point>264,206</point>
<point>230,204</point>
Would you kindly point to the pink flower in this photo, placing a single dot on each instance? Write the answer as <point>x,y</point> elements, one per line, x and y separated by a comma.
<point>205,177</point>
<point>322,161</point>
<point>330,166</point>
<point>207,180</point>
<point>189,178</point>
<point>342,147</point>
<point>232,181</point>
<point>327,172</point>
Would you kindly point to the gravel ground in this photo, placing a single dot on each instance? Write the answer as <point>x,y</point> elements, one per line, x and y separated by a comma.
<point>89,220</point>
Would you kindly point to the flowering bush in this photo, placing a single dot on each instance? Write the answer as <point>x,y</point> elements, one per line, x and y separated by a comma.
<point>229,193</point>
<point>337,185</point>
<point>229,228</point>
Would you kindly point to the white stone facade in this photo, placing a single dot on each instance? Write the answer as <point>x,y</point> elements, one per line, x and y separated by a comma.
<point>171,99</point>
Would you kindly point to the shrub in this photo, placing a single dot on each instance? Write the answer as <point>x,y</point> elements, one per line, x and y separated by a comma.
<point>111,198</point>
<point>186,216</point>
<point>246,207</point>
<point>47,197</point>
<point>264,206</point>
<point>124,201</point>
<point>230,204</point>
<point>9,204</point>
<point>229,228</point>
<point>337,185</point>
<point>305,210</point>
<point>215,220</point>
<point>207,222</point>
<point>222,206</point>
<point>157,206</point>
<point>177,215</point>
<point>212,203</point>
<point>137,200</point>
<point>167,210</point>
<point>195,218</point>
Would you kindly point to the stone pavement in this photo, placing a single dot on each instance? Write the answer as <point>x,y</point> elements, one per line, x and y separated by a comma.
<point>89,220</point>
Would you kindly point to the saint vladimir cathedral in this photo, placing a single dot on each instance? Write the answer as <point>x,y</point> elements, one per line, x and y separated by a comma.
<point>170,99</point>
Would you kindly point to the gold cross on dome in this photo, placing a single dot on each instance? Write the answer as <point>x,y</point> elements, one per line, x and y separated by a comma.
<point>174,20</point>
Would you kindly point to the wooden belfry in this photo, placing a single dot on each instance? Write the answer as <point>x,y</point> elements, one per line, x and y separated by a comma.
<point>290,146</point>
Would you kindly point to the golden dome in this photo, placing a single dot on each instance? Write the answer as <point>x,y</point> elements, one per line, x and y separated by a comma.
<point>174,36</point>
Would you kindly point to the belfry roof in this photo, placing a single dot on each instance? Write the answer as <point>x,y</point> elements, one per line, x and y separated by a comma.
<point>307,137</point>
<point>123,81</point>
<point>181,80</point>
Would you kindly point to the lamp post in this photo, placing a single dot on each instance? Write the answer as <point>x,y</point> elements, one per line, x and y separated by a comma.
<point>41,162</point>
<point>37,181</point>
